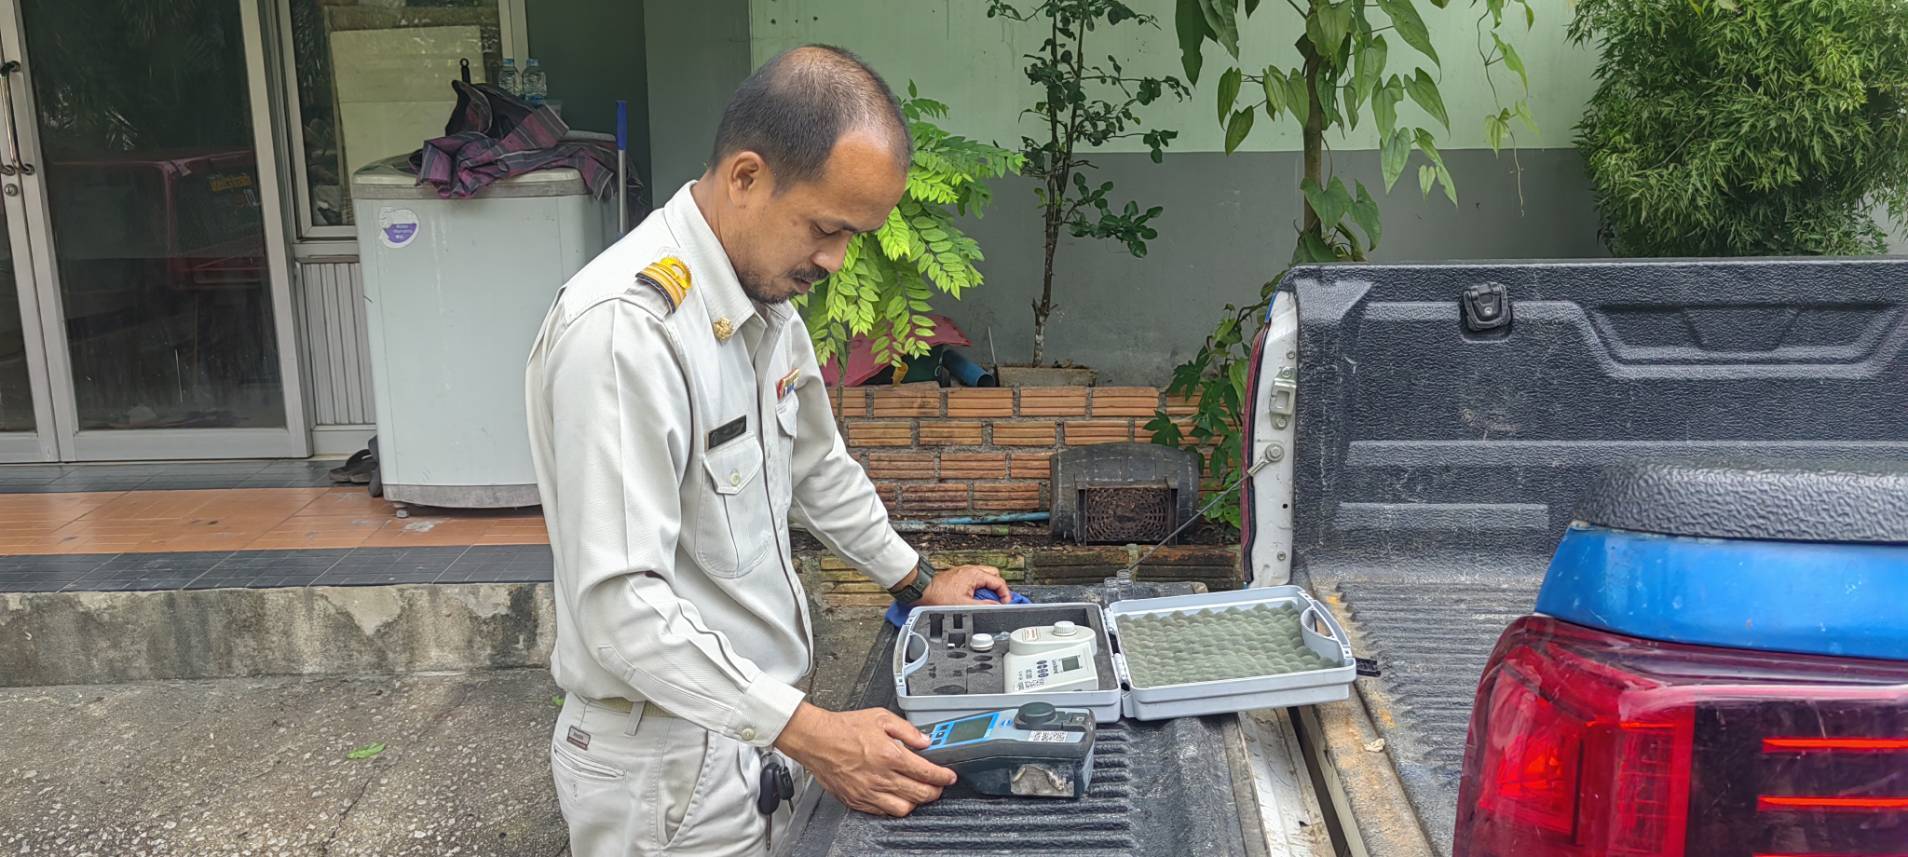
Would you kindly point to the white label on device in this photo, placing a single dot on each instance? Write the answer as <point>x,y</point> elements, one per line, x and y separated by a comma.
<point>1051,737</point>
<point>1072,670</point>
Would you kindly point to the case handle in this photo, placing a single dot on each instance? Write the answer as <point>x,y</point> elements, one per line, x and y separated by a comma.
<point>1312,616</point>
<point>905,667</point>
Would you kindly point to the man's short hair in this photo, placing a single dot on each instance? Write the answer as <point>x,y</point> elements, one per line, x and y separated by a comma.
<point>794,108</point>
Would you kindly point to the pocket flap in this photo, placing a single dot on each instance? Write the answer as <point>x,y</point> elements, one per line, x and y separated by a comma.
<point>788,414</point>
<point>734,465</point>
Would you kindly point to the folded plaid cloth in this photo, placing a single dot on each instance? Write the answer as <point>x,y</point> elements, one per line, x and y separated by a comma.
<point>493,134</point>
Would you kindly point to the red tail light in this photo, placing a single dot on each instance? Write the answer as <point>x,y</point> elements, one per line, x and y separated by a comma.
<point>1587,743</point>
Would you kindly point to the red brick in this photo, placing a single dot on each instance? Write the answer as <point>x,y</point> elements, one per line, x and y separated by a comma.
<point>901,465</point>
<point>1031,465</point>
<point>880,434</point>
<point>906,402</point>
<point>1083,432</point>
<point>1180,406</point>
<point>851,403</point>
<point>1125,401</point>
<point>1024,433</point>
<point>941,497</point>
<point>990,402</point>
<point>1008,497</point>
<point>974,465</point>
<point>1053,401</point>
<point>888,492</point>
<point>950,433</point>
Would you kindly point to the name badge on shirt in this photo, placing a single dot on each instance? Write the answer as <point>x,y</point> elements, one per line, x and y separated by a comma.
<point>787,384</point>
<point>728,431</point>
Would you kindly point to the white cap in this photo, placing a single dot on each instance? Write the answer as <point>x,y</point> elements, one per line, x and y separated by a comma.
<point>982,642</point>
<point>1064,628</point>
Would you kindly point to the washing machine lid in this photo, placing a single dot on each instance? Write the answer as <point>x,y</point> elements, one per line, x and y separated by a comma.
<point>391,178</point>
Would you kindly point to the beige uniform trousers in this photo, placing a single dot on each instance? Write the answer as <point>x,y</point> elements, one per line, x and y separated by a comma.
<point>644,783</point>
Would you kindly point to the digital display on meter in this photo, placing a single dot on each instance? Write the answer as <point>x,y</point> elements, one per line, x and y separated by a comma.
<point>968,730</point>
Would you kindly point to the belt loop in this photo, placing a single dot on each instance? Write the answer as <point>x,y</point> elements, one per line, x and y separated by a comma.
<point>635,717</point>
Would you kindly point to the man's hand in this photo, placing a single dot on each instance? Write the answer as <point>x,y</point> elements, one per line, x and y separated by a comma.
<point>956,586</point>
<point>860,758</point>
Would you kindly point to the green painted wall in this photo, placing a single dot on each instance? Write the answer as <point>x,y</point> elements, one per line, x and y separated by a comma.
<point>697,53</point>
<point>957,55</point>
<point>594,56</point>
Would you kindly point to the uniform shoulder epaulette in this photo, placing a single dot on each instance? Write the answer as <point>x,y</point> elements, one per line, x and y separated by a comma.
<point>669,277</point>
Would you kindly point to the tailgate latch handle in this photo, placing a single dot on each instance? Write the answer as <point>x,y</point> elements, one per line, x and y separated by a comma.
<point>1486,308</point>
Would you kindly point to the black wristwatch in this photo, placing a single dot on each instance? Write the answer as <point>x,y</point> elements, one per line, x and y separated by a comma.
<point>912,593</point>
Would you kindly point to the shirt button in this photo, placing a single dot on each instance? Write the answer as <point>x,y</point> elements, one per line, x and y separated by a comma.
<point>748,733</point>
<point>735,479</point>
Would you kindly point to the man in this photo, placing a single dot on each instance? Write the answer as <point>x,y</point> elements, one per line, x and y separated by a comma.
<point>677,421</point>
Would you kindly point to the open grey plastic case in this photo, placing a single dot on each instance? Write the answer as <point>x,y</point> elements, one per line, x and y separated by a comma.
<point>938,677</point>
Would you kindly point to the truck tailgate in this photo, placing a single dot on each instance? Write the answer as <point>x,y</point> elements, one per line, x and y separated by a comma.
<point>1436,466</point>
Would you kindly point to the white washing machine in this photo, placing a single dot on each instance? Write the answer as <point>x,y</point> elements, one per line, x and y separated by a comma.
<point>455,290</point>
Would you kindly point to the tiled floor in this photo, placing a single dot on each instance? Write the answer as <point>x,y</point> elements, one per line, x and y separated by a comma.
<point>241,524</point>
<point>260,569</point>
<point>172,476</point>
<point>245,519</point>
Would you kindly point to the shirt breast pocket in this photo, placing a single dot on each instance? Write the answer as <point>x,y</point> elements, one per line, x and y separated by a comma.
<point>787,418</point>
<point>733,532</point>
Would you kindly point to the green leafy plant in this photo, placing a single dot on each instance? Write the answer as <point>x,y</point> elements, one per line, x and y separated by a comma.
<point>1746,127</point>
<point>886,282</point>
<point>1346,68</point>
<point>1081,105</point>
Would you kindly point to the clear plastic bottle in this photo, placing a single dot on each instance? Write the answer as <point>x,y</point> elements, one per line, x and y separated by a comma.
<point>536,86</point>
<point>507,77</point>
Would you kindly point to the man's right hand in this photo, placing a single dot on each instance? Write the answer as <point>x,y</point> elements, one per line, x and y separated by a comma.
<point>864,758</point>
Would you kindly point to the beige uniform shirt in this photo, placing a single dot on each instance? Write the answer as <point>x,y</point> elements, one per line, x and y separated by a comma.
<point>672,445</point>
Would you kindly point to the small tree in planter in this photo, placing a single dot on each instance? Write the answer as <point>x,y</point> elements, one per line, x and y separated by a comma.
<point>883,287</point>
<point>1345,69</point>
<point>1083,104</point>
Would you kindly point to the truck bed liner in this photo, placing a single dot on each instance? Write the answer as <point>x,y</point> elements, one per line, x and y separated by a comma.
<point>1435,466</point>
<point>1176,786</point>
<point>1430,636</point>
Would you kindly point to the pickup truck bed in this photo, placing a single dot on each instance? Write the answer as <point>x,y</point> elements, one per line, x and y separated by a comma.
<point>1436,466</point>
<point>1179,786</point>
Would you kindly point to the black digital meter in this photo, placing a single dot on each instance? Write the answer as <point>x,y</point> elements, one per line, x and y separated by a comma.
<point>1035,750</point>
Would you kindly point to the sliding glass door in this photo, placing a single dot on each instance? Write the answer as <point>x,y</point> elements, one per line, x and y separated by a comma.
<point>137,159</point>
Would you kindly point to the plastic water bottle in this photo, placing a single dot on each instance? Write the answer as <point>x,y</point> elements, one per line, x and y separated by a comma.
<point>536,86</point>
<point>507,77</point>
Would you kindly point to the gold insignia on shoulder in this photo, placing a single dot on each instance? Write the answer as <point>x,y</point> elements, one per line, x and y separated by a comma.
<point>724,329</point>
<point>668,276</point>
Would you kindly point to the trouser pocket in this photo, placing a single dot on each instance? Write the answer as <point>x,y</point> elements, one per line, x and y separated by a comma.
<point>595,801</point>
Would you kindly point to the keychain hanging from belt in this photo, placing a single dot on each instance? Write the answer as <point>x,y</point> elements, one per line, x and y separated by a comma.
<point>777,783</point>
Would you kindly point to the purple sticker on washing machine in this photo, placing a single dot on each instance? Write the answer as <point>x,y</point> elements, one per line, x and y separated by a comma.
<point>397,227</point>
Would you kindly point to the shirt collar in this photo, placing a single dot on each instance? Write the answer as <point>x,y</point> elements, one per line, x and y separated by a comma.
<point>710,268</point>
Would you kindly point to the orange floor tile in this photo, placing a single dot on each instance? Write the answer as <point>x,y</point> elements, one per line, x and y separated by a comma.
<point>243,519</point>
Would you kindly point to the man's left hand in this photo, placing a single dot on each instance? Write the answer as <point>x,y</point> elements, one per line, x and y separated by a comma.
<point>956,586</point>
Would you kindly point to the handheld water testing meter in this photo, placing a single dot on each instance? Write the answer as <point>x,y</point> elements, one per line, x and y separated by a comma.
<point>1035,750</point>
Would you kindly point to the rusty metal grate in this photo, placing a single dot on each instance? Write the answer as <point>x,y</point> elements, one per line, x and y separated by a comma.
<point>1128,513</point>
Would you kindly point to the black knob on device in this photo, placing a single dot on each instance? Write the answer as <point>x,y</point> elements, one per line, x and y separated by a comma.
<point>1034,714</point>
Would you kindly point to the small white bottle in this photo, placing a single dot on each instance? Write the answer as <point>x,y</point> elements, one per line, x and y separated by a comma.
<point>507,77</point>
<point>536,86</point>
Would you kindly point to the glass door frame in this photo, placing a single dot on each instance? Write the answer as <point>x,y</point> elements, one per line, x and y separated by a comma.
<point>42,443</point>
<point>55,404</point>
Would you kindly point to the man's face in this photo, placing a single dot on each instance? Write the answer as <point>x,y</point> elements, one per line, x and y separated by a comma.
<point>781,243</point>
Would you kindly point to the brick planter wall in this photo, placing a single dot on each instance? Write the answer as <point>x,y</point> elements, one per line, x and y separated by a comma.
<point>937,453</point>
